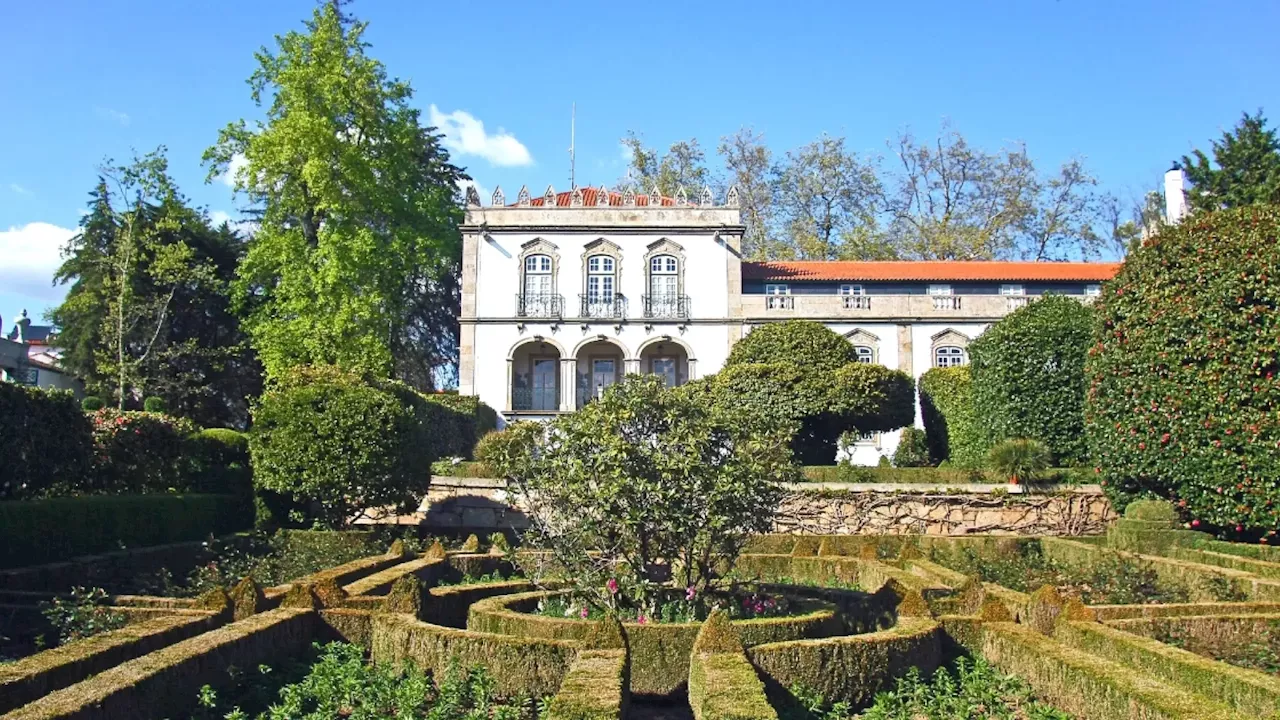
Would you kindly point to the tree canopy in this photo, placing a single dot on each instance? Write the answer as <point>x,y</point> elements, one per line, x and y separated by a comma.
<point>1244,170</point>
<point>357,245</point>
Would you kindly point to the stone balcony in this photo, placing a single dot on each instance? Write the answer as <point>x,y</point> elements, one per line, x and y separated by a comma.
<point>883,307</point>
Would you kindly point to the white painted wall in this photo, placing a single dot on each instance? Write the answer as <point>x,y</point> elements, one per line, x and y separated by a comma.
<point>498,271</point>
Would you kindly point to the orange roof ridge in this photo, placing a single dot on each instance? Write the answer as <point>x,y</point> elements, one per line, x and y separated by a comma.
<point>927,270</point>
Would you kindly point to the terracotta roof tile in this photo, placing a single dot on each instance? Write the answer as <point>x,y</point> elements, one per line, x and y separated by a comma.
<point>928,270</point>
<point>591,195</point>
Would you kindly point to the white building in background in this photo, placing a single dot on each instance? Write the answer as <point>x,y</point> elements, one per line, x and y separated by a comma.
<point>565,293</point>
<point>28,356</point>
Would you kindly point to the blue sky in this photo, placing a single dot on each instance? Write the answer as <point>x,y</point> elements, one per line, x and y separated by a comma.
<point>1127,85</point>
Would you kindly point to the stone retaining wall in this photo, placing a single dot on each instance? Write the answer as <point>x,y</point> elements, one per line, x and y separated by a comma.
<point>834,508</point>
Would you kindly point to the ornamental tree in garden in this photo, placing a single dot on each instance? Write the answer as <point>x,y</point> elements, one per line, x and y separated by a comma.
<point>1028,376</point>
<point>801,373</point>
<point>644,483</point>
<point>1183,398</point>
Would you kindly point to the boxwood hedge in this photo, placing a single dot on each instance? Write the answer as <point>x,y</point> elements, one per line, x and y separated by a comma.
<point>951,428</point>
<point>1183,396</point>
<point>48,441</point>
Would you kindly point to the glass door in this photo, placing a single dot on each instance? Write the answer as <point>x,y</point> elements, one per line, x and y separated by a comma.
<point>604,372</point>
<point>544,384</point>
<point>665,368</point>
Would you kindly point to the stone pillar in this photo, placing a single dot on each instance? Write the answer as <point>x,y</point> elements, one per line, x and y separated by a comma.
<point>631,366</point>
<point>568,384</point>
<point>905,362</point>
<point>693,370</point>
<point>511,384</point>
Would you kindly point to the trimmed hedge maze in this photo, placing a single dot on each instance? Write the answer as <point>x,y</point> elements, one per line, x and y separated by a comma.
<point>868,612</point>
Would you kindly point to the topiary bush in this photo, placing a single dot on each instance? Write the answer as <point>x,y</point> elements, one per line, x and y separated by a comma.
<point>470,420</point>
<point>912,450</point>
<point>153,404</point>
<point>139,452</point>
<point>1020,459</point>
<point>48,442</point>
<point>1028,376</point>
<point>342,443</point>
<point>802,374</point>
<point>219,461</point>
<point>950,426</point>
<point>1183,398</point>
<point>91,403</point>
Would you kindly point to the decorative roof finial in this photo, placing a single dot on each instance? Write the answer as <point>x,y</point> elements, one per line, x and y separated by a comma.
<point>575,199</point>
<point>655,197</point>
<point>706,199</point>
<point>602,196</point>
<point>682,197</point>
<point>731,200</point>
<point>473,197</point>
<point>549,197</point>
<point>522,198</point>
<point>629,197</point>
<point>498,199</point>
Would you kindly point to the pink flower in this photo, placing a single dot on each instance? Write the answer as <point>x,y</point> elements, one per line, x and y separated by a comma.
<point>642,619</point>
<point>612,586</point>
<point>690,593</point>
<point>583,613</point>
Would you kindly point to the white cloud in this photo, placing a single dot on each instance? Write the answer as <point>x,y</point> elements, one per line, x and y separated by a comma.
<point>244,227</point>
<point>109,114</point>
<point>238,163</point>
<point>464,134</point>
<point>29,255</point>
<point>15,187</point>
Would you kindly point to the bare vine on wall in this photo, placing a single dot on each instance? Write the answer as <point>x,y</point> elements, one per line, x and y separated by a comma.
<point>853,513</point>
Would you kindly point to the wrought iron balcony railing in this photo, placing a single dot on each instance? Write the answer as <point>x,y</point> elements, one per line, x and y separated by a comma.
<point>602,306</point>
<point>666,307</point>
<point>535,399</point>
<point>542,305</point>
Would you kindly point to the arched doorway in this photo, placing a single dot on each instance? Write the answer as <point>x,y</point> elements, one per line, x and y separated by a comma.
<point>535,377</point>
<point>600,365</point>
<point>668,359</point>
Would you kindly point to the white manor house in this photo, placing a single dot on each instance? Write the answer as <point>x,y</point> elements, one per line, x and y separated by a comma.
<point>565,293</point>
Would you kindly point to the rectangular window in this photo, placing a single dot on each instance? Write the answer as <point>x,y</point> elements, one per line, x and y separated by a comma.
<point>852,290</point>
<point>1012,290</point>
<point>665,367</point>
<point>777,289</point>
<point>1092,290</point>
<point>939,289</point>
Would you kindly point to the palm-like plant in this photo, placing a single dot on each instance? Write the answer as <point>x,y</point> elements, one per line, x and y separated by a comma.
<point>1020,459</point>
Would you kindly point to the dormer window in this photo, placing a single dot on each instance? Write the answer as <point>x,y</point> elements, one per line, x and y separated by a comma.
<point>1013,289</point>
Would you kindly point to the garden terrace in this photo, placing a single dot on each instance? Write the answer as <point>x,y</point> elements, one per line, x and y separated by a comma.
<point>870,613</point>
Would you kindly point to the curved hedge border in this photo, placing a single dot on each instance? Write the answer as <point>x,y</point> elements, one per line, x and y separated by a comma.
<point>850,668</point>
<point>520,666</point>
<point>659,651</point>
<point>594,689</point>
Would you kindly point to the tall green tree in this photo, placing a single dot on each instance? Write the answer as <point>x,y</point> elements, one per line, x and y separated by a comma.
<point>682,167</point>
<point>1245,169</point>
<point>148,311</point>
<point>358,205</point>
<point>824,192</point>
<point>749,163</point>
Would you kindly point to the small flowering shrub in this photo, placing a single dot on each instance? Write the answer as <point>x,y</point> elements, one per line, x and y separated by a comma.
<point>1183,394</point>
<point>644,490</point>
<point>138,452</point>
<point>83,614</point>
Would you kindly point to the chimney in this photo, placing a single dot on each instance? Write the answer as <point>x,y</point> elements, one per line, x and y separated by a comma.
<point>22,325</point>
<point>1175,195</point>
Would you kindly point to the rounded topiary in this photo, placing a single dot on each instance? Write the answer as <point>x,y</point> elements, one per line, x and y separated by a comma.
<point>1028,375</point>
<point>1183,397</point>
<point>215,600</point>
<point>1043,609</point>
<point>153,404</point>
<point>471,544</point>
<point>498,544</point>
<point>912,450</point>
<point>436,551</point>
<point>1076,611</point>
<point>798,342</point>
<point>343,442</point>
<point>717,635</point>
<point>951,428</point>
<point>301,595</point>
<point>91,403</point>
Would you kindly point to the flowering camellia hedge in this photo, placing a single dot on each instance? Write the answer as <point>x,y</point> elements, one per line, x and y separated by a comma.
<point>1183,397</point>
<point>139,452</point>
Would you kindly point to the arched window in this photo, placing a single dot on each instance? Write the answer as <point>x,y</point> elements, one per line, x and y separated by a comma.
<point>864,354</point>
<point>948,356</point>
<point>602,283</point>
